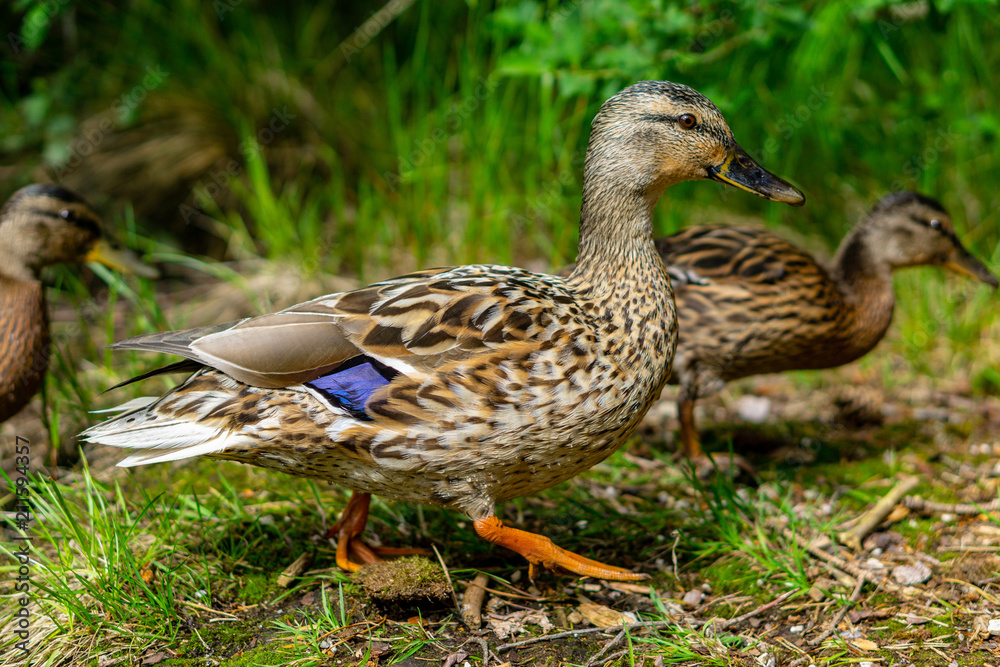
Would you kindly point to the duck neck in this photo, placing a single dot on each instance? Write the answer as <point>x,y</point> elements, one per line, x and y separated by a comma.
<point>13,265</point>
<point>866,281</point>
<point>616,250</point>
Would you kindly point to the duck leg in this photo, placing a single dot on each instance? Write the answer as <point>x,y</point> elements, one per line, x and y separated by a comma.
<point>705,466</point>
<point>690,444</point>
<point>541,551</point>
<point>349,527</point>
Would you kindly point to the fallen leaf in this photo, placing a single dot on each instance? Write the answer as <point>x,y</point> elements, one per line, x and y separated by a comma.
<point>379,648</point>
<point>504,626</point>
<point>604,617</point>
<point>453,659</point>
<point>154,659</point>
<point>865,645</point>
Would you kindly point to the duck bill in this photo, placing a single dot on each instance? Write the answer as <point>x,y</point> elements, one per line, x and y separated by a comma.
<point>964,262</point>
<point>742,171</point>
<point>120,260</point>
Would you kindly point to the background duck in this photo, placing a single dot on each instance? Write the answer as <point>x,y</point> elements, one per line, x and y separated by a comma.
<point>749,302</point>
<point>462,387</point>
<point>41,225</point>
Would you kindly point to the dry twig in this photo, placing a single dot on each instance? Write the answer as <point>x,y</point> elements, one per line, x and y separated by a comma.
<point>295,570</point>
<point>918,504</point>
<point>472,604</point>
<point>873,517</point>
<point>840,615</point>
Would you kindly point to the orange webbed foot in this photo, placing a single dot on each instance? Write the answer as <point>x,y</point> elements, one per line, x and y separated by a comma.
<point>540,551</point>
<point>347,530</point>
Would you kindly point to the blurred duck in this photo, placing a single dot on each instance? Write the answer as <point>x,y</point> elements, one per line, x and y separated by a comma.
<point>467,386</point>
<point>40,225</point>
<point>749,302</point>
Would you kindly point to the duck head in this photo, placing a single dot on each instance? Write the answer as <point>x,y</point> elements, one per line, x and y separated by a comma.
<point>42,225</point>
<point>654,134</point>
<point>910,229</point>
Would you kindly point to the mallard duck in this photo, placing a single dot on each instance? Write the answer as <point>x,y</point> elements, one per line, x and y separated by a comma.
<point>462,387</point>
<point>40,225</point>
<point>749,302</point>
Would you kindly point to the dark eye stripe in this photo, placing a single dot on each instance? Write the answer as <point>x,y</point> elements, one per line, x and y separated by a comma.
<point>926,222</point>
<point>660,118</point>
<point>84,222</point>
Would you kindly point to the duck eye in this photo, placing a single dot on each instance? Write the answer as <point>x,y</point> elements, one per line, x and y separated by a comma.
<point>687,121</point>
<point>935,224</point>
<point>67,214</point>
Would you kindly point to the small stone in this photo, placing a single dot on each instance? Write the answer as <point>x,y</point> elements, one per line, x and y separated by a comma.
<point>795,629</point>
<point>994,626</point>
<point>914,573</point>
<point>692,598</point>
<point>948,518</point>
<point>515,577</point>
<point>874,564</point>
<point>575,617</point>
<point>754,409</point>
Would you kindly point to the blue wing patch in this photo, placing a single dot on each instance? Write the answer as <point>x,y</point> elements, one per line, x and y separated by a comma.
<point>352,383</point>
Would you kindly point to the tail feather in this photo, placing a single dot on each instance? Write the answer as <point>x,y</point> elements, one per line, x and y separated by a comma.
<point>158,437</point>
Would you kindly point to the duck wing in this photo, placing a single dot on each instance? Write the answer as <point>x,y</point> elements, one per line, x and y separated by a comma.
<point>716,253</point>
<point>411,324</point>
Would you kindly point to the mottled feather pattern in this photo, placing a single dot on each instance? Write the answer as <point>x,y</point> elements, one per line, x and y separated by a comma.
<point>497,366</point>
<point>750,302</point>
<point>24,345</point>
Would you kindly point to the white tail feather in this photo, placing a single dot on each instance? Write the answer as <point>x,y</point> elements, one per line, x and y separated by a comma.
<point>159,439</point>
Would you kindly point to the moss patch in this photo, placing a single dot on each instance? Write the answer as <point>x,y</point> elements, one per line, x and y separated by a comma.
<point>403,580</point>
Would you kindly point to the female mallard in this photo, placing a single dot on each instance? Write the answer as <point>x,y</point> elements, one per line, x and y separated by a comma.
<point>40,225</point>
<point>749,302</point>
<point>462,387</point>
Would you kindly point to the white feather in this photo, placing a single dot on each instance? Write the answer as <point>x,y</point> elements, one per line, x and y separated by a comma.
<point>134,404</point>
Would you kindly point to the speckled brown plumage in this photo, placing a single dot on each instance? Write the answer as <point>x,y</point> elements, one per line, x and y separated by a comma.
<point>499,382</point>
<point>24,346</point>
<point>749,302</point>
<point>40,225</point>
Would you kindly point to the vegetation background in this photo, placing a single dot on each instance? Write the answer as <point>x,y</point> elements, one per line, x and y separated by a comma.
<point>362,141</point>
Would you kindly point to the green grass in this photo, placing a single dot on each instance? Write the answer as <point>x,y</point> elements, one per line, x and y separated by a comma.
<point>455,134</point>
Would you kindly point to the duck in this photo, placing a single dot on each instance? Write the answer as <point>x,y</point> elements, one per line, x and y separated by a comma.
<point>749,302</point>
<point>41,225</point>
<point>461,387</point>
